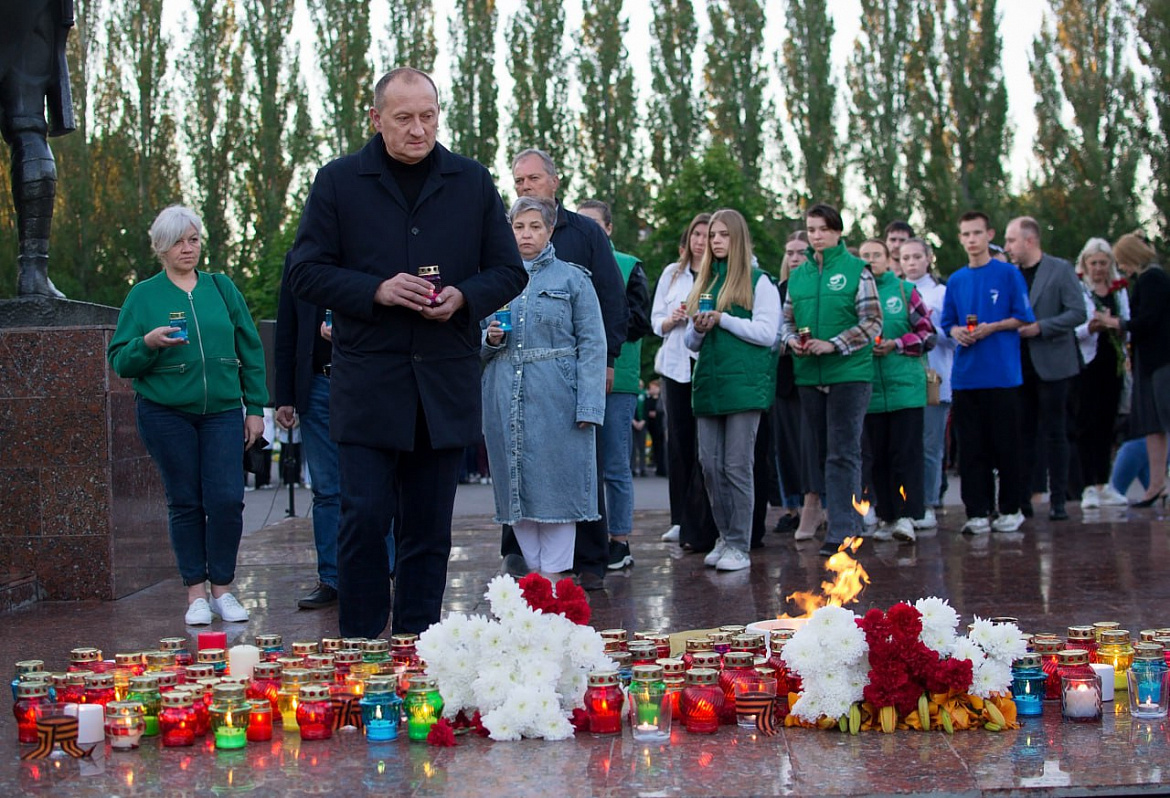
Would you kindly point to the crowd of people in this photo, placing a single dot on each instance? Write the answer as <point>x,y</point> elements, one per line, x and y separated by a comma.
<point>418,317</point>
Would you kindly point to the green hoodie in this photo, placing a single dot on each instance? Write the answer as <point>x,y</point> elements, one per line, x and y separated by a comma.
<point>221,365</point>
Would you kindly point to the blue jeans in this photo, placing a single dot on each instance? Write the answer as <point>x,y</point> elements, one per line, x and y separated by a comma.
<point>321,456</point>
<point>934,437</point>
<point>200,459</point>
<point>615,444</point>
<point>1132,462</point>
<point>832,425</point>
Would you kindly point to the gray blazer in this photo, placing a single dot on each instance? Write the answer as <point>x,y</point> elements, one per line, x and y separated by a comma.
<point>1058,302</point>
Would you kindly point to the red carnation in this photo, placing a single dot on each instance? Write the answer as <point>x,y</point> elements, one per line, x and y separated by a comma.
<point>580,720</point>
<point>441,734</point>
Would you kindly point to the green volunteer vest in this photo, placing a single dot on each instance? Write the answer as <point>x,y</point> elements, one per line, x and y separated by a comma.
<point>824,301</point>
<point>899,381</point>
<point>627,369</point>
<point>731,375</point>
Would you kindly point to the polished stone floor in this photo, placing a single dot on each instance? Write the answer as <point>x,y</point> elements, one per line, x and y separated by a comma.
<point>1111,565</point>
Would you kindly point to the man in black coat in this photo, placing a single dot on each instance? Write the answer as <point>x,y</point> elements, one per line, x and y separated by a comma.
<point>405,379</point>
<point>579,240</point>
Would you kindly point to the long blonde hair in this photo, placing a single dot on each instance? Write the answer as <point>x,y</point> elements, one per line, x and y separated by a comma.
<point>737,288</point>
<point>685,256</point>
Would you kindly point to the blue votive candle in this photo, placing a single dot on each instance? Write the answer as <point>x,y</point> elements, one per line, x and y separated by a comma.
<point>381,709</point>
<point>1028,684</point>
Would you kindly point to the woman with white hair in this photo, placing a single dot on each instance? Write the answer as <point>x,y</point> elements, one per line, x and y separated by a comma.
<point>1101,380</point>
<point>186,339</point>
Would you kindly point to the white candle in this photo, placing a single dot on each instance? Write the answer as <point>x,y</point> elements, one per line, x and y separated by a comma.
<point>242,659</point>
<point>90,724</point>
<point>1080,701</point>
<point>1104,672</point>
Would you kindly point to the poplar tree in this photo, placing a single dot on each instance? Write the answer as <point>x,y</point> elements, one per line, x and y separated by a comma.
<point>736,77</point>
<point>1088,159</point>
<point>474,118</point>
<point>539,65</point>
<point>804,63</point>
<point>211,128</point>
<point>343,47</point>
<point>280,142</point>
<point>411,33</point>
<point>676,111</point>
<point>610,162</point>
<point>1153,26</point>
<point>879,125</point>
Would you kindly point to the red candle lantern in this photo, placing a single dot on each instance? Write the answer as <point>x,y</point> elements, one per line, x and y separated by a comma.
<point>260,721</point>
<point>70,688</point>
<point>178,647</point>
<point>662,643</point>
<point>603,703</point>
<point>265,683</point>
<point>1081,637</point>
<point>1048,648</point>
<point>216,658</point>
<point>29,696</point>
<point>403,649</point>
<point>331,645</point>
<point>693,646</point>
<point>176,719</point>
<point>643,652</point>
<point>85,659</point>
<point>315,712</point>
<point>738,666</point>
<point>99,688</point>
<point>197,671</point>
<point>701,701</point>
<point>708,659</point>
<point>619,636</point>
<point>199,705</point>
<point>344,662</point>
<point>674,678</point>
<point>271,646</point>
<point>303,648</point>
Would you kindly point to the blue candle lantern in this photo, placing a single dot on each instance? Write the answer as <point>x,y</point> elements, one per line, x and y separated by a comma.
<point>381,709</point>
<point>504,317</point>
<point>1028,685</point>
<point>1149,682</point>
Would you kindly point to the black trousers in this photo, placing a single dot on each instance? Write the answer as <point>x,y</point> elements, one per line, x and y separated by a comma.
<point>786,424</point>
<point>892,451</point>
<point>1044,436</point>
<point>372,480</point>
<point>988,426</point>
<point>690,506</point>
<point>1100,391</point>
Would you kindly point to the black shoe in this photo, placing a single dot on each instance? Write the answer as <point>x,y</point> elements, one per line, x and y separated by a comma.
<point>321,597</point>
<point>787,524</point>
<point>619,555</point>
<point>828,549</point>
<point>515,566</point>
<point>1057,514</point>
<point>591,581</point>
<point>1026,509</point>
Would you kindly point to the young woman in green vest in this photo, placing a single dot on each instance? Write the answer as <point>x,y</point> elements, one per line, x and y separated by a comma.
<point>734,379</point>
<point>831,316</point>
<point>894,422</point>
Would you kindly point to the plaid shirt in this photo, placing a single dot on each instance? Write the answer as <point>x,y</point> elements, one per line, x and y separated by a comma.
<point>869,319</point>
<point>922,337</point>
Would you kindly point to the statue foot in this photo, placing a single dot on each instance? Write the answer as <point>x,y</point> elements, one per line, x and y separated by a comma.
<point>34,281</point>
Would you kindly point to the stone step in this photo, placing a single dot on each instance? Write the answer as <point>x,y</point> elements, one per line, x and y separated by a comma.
<point>19,590</point>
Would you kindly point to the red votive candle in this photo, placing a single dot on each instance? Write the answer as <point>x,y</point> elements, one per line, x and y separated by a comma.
<point>603,703</point>
<point>315,712</point>
<point>29,696</point>
<point>701,701</point>
<point>176,719</point>
<point>260,722</point>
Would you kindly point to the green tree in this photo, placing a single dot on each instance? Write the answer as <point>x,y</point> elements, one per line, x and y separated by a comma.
<point>804,63</point>
<point>343,47</point>
<point>411,32</point>
<point>214,62</point>
<point>539,65</point>
<point>474,118</point>
<point>1153,25</point>
<point>676,112</point>
<point>280,143</point>
<point>737,76</point>
<point>879,125</point>
<point>1087,160</point>
<point>610,160</point>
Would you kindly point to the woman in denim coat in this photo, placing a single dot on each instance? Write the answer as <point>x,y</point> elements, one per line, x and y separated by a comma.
<point>543,396</point>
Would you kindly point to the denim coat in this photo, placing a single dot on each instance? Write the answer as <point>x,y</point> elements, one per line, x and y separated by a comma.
<point>547,375</point>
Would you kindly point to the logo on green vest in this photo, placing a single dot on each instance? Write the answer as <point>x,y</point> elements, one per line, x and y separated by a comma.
<point>894,304</point>
<point>836,282</point>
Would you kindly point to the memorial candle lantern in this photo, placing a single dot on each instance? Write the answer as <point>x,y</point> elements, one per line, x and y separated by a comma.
<point>29,696</point>
<point>1103,626</point>
<point>733,629</point>
<point>674,679</point>
<point>229,713</point>
<point>1164,641</point>
<point>431,275</point>
<point>1115,649</point>
<point>197,671</point>
<point>331,645</point>
<point>738,666</point>
<point>271,646</point>
<point>504,317</point>
<point>303,648</point>
<point>167,681</point>
<point>125,666</point>
<point>381,709</point>
<point>374,653</point>
<point>265,683</point>
<point>317,662</point>
<point>619,636</point>
<point>603,703</point>
<point>215,657</point>
<point>99,688</point>
<point>662,643</point>
<point>403,649</point>
<point>701,701</point>
<point>625,666</point>
<point>259,721</point>
<point>69,688</point>
<point>291,680</point>
<point>1082,637</point>
<point>144,691</point>
<point>1080,698</point>
<point>199,705</point>
<point>1048,648</point>
<point>178,647</point>
<point>693,646</point>
<point>706,303</point>
<point>344,662</point>
<point>24,667</point>
<point>643,652</point>
<point>972,322</point>
<point>1029,683</point>
<point>86,659</point>
<point>176,720</point>
<point>650,707</point>
<point>720,642</point>
<point>124,724</point>
<point>709,659</point>
<point>315,712</point>
<point>424,706</point>
<point>158,661</point>
<point>352,642</point>
<point>804,335</point>
<point>1148,680</point>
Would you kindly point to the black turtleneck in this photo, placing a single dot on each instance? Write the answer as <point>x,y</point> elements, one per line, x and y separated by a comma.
<point>410,177</point>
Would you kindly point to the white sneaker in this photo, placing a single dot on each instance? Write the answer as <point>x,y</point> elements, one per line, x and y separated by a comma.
<point>927,521</point>
<point>198,613</point>
<point>1008,523</point>
<point>228,608</point>
<point>883,532</point>
<point>903,529</point>
<point>671,535</point>
<point>977,526</point>
<point>716,554</point>
<point>1109,496</point>
<point>1090,499</point>
<point>733,560</point>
